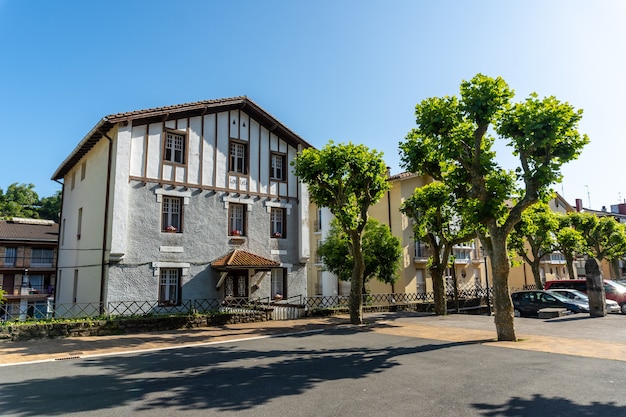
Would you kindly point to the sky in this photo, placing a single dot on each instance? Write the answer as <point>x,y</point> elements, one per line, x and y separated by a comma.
<point>341,70</point>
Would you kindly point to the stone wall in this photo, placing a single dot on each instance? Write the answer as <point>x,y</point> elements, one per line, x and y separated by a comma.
<point>15,332</point>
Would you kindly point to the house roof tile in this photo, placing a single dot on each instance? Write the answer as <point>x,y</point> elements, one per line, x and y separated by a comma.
<point>240,258</point>
<point>29,230</point>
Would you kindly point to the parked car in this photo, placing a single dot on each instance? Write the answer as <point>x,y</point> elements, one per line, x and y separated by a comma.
<point>575,295</point>
<point>612,289</point>
<point>528,303</point>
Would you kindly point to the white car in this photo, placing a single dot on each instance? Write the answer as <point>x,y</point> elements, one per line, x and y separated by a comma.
<point>611,306</point>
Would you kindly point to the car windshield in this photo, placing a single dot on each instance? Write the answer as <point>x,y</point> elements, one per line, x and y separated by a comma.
<point>617,287</point>
<point>560,297</point>
<point>578,295</point>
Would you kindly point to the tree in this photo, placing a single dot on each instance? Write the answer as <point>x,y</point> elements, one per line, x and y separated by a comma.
<point>50,207</point>
<point>436,221</point>
<point>534,237</point>
<point>347,179</point>
<point>381,253</point>
<point>604,237</point>
<point>569,242</point>
<point>453,143</point>
<point>20,200</point>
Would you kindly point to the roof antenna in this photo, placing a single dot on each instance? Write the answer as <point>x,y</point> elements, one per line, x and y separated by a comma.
<point>588,196</point>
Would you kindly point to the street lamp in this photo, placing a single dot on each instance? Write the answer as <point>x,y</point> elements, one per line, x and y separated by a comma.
<point>486,281</point>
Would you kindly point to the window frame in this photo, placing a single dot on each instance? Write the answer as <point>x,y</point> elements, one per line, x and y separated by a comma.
<point>41,258</point>
<point>167,213</point>
<point>8,259</point>
<point>233,228</point>
<point>278,282</point>
<point>175,156</point>
<point>283,169</point>
<point>274,233</point>
<point>233,159</point>
<point>170,278</point>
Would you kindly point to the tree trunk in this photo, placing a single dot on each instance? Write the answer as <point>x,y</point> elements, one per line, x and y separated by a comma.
<point>439,291</point>
<point>356,281</point>
<point>595,289</point>
<point>503,305</point>
<point>534,267</point>
<point>569,261</point>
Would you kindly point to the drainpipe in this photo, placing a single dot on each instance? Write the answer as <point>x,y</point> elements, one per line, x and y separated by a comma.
<point>61,230</point>
<point>103,270</point>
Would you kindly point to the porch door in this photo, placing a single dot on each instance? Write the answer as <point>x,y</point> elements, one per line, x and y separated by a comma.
<point>236,284</point>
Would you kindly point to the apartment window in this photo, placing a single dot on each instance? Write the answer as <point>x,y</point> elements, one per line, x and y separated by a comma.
<point>172,214</point>
<point>41,257</point>
<point>73,182</point>
<point>278,165</point>
<point>277,219</point>
<point>318,221</point>
<point>169,286</point>
<point>174,147</point>
<point>10,255</point>
<point>238,160</point>
<point>236,219</point>
<point>79,227</point>
<point>279,289</point>
<point>83,170</point>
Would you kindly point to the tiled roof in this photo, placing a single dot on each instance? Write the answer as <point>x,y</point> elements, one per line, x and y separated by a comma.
<point>161,114</point>
<point>26,230</point>
<point>241,258</point>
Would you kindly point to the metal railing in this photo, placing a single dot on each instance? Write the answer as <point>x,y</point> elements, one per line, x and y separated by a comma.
<point>283,309</point>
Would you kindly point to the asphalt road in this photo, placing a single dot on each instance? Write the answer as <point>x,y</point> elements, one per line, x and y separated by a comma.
<point>339,371</point>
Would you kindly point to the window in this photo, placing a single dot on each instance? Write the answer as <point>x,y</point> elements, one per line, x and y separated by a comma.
<point>277,167</point>
<point>10,255</point>
<point>172,215</point>
<point>73,182</point>
<point>83,170</point>
<point>236,285</point>
<point>277,219</point>
<point>278,284</point>
<point>80,223</point>
<point>236,219</point>
<point>169,287</point>
<point>41,257</point>
<point>238,161</point>
<point>174,148</point>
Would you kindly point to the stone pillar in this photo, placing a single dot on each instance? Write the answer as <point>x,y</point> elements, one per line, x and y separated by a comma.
<point>595,289</point>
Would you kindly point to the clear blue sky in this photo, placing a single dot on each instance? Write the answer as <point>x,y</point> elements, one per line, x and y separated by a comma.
<point>348,70</point>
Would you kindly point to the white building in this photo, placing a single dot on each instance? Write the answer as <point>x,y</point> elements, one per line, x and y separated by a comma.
<point>185,202</point>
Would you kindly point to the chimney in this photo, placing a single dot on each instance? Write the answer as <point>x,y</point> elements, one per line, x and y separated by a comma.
<point>579,205</point>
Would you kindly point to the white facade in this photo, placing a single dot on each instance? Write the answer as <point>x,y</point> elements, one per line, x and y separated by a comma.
<point>203,167</point>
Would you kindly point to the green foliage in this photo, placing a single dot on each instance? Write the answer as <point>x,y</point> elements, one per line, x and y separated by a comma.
<point>534,237</point>
<point>604,237</point>
<point>381,250</point>
<point>2,294</point>
<point>21,200</point>
<point>345,178</point>
<point>437,221</point>
<point>452,143</point>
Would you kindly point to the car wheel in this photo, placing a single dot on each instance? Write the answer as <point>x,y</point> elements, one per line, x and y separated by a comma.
<point>517,313</point>
<point>623,308</point>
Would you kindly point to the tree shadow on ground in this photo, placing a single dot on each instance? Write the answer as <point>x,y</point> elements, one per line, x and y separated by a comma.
<point>539,405</point>
<point>219,377</point>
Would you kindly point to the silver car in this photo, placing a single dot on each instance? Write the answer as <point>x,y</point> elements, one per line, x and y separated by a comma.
<point>611,306</point>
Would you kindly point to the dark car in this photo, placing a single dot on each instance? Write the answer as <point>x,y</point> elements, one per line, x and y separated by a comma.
<point>528,303</point>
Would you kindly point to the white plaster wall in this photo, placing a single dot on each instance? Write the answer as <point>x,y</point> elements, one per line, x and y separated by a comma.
<point>85,253</point>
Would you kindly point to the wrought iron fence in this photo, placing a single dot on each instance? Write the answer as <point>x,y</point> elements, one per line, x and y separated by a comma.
<point>283,309</point>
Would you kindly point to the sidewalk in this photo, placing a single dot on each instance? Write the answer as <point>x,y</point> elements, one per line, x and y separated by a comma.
<point>578,335</point>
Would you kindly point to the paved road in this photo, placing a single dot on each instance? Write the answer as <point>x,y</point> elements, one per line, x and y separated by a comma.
<point>399,365</point>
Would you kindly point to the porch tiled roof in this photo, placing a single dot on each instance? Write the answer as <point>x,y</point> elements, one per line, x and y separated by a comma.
<point>240,258</point>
